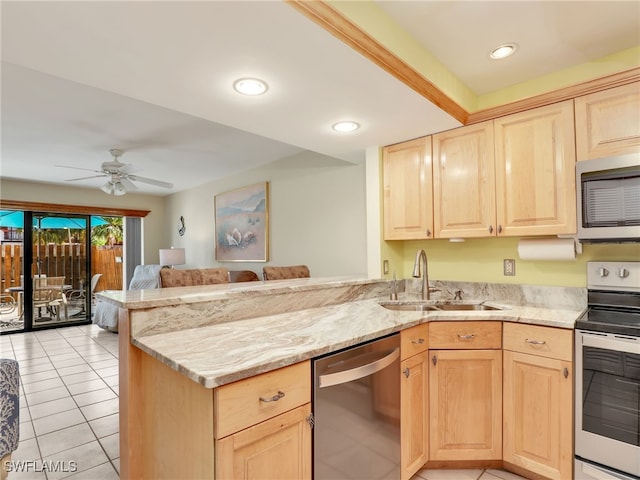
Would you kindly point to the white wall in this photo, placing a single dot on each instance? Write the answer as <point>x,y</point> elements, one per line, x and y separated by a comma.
<point>317,216</point>
<point>40,192</point>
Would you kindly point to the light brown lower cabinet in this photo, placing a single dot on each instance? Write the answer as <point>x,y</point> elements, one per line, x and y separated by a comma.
<point>465,405</point>
<point>538,400</point>
<point>276,449</point>
<point>414,417</point>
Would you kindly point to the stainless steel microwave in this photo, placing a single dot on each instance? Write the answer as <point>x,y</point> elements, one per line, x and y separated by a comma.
<point>608,199</point>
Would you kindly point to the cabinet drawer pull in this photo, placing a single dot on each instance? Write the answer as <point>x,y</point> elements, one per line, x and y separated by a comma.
<point>419,341</point>
<point>535,342</point>
<point>275,398</point>
<point>468,336</point>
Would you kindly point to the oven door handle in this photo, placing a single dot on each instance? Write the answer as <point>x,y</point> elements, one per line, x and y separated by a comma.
<point>610,342</point>
<point>364,366</point>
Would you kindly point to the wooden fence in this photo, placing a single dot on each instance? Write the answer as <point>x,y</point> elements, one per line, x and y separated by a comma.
<point>68,260</point>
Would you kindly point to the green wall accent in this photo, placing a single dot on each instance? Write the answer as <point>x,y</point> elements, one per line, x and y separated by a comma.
<point>481,260</point>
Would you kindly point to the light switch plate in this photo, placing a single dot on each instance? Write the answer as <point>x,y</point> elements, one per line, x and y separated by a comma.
<point>509,267</point>
<point>385,267</point>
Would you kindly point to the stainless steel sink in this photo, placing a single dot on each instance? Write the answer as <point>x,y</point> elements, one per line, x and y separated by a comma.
<point>409,307</point>
<point>434,307</point>
<point>465,306</point>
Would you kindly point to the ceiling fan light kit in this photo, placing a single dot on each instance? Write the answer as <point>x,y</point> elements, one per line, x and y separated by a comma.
<point>114,188</point>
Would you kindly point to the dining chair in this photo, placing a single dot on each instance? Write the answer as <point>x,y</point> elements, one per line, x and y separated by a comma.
<point>281,273</point>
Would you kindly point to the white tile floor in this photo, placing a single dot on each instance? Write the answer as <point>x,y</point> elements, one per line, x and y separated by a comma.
<point>68,403</point>
<point>69,408</point>
<point>469,474</point>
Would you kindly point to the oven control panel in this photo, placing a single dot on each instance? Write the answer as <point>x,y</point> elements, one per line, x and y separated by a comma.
<point>618,276</point>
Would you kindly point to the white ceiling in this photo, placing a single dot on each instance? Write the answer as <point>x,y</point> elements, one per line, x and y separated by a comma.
<point>154,79</point>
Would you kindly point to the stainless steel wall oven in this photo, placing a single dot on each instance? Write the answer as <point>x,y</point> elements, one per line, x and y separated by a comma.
<point>607,390</point>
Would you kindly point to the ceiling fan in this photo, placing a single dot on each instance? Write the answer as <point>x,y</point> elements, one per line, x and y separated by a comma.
<point>120,175</point>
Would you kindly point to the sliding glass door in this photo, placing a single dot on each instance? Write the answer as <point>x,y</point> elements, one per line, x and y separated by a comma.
<point>60,269</point>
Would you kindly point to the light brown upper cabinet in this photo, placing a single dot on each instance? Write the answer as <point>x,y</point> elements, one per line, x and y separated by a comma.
<point>512,176</point>
<point>535,171</point>
<point>608,122</point>
<point>408,191</point>
<point>464,190</point>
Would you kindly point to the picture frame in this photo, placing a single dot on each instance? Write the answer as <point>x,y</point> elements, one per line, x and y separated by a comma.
<point>241,221</point>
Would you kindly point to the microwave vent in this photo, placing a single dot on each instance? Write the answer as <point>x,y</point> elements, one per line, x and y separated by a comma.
<point>611,203</point>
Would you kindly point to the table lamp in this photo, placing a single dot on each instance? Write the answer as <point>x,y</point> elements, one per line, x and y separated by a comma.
<point>172,256</point>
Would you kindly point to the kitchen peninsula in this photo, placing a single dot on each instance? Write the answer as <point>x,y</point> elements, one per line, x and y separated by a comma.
<point>189,357</point>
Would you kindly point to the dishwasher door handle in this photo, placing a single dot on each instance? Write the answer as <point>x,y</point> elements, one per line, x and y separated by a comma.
<point>365,365</point>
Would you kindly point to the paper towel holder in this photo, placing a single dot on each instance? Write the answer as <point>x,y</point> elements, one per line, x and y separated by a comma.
<point>577,244</point>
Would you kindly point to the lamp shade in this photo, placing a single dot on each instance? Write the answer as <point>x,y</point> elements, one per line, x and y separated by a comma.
<point>172,256</point>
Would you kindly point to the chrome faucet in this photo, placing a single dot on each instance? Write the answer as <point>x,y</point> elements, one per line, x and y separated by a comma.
<point>421,257</point>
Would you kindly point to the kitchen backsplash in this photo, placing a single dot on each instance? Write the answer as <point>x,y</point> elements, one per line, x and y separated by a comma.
<point>533,295</point>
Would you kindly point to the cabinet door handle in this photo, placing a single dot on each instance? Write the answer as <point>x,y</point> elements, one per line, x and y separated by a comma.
<point>499,229</point>
<point>565,372</point>
<point>535,342</point>
<point>419,341</point>
<point>275,398</point>
<point>468,336</point>
<point>406,372</point>
<point>490,228</point>
<point>428,232</point>
<point>434,359</point>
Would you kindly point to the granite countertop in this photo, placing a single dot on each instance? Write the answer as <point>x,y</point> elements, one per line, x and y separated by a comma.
<point>158,297</point>
<point>214,355</point>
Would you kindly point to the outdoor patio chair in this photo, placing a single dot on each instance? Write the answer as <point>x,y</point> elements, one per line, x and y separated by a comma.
<point>77,298</point>
<point>48,294</point>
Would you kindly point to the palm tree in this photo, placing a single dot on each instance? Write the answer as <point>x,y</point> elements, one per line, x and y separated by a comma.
<point>109,233</point>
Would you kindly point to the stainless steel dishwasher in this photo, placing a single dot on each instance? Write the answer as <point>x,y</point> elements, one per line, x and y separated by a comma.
<point>356,407</point>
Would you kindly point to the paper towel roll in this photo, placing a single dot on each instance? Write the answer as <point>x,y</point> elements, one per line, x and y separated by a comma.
<point>547,249</point>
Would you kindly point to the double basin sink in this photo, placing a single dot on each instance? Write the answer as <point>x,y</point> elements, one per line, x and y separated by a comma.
<point>436,306</point>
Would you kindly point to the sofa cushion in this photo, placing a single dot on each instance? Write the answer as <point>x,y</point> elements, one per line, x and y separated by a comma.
<point>172,277</point>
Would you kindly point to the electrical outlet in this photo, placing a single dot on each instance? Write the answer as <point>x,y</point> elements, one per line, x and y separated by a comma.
<point>385,267</point>
<point>509,267</point>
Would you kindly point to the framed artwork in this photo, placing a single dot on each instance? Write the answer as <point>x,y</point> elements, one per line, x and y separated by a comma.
<point>242,224</point>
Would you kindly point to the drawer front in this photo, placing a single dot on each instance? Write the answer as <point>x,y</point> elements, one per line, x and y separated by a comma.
<point>543,341</point>
<point>248,402</point>
<point>414,340</point>
<point>465,335</point>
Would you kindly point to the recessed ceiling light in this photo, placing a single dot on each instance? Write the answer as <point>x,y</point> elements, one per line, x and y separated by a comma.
<point>250,86</point>
<point>503,51</point>
<point>345,127</point>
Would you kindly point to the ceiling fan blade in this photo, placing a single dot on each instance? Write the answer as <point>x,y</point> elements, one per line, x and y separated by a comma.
<point>84,178</point>
<point>127,168</point>
<point>80,168</point>
<point>151,181</point>
<point>128,184</point>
